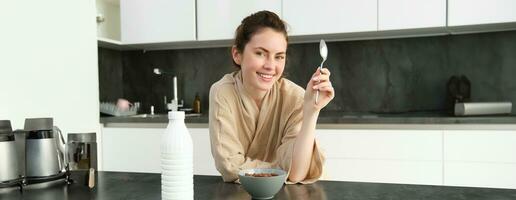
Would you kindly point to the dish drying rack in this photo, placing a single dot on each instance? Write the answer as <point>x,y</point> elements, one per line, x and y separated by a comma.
<point>111,109</point>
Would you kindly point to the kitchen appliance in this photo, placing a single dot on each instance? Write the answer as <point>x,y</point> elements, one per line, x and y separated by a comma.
<point>81,151</point>
<point>458,89</point>
<point>9,163</point>
<point>44,151</point>
<point>484,108</point>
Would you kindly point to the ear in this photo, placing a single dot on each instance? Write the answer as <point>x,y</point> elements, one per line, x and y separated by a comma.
<point>237,56</point>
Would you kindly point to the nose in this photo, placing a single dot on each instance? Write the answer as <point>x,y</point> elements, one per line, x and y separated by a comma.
<point>270,63</point>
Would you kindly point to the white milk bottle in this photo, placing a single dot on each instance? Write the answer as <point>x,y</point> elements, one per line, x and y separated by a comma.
<point>176,159</point>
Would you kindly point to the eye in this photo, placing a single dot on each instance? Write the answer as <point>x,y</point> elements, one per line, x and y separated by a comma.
<point>280,57</point>
<point>260,53</point>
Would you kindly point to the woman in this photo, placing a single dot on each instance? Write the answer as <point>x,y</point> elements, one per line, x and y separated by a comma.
<point>258,119</point>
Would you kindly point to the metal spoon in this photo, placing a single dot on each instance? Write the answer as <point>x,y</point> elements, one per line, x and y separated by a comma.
<point>323,50</point>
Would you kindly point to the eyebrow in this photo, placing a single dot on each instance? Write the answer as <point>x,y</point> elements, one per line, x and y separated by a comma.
<point>263,49</point>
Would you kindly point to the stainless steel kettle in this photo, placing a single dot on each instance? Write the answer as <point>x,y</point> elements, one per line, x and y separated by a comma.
<point>9,163</point>
<point>44,148</point>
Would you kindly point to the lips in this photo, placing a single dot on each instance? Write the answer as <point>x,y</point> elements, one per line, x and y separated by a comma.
<point>265,77</point>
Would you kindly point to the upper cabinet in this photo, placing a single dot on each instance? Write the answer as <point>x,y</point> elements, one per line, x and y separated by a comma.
<point>467,12</point>
<point>410,14</point>
<point>165,24</point>
<point>217,20</point>
<point>307,17</point>
<point>108,20</point>
<point>157,21</point>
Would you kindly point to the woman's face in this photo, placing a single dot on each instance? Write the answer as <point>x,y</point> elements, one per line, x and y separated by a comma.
<point>263,60</point>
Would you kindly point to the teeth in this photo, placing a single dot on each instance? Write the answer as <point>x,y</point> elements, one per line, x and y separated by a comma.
<point>265,75</point>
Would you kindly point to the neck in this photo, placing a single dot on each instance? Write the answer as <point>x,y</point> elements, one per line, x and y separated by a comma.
<point>256,95</point>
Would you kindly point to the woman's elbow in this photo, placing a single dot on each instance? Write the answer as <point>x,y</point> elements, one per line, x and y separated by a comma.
<point>227,174</point>
<point>296,177</point>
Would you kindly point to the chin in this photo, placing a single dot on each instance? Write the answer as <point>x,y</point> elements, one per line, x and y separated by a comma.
<point>265,87</point>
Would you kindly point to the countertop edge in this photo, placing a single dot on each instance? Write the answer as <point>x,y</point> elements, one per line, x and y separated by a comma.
<point>343,126</point>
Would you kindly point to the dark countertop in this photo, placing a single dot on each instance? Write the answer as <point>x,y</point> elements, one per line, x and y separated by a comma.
<point>336,117</point>
<point>146,186</point>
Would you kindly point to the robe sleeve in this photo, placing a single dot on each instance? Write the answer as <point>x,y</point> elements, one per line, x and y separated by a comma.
<point>286,149</point>
<point>227,151</point>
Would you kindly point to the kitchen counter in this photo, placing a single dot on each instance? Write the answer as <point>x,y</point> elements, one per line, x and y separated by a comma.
<point>146,186</point>
<point>335,117</point>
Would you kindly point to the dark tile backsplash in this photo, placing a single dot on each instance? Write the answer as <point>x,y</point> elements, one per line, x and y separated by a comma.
<point>391,75</point>
<point>111,85</point>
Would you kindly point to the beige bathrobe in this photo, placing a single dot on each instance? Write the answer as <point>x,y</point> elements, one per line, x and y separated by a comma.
<point>243,136</point>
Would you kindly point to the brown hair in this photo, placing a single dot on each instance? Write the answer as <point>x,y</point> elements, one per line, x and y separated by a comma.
<point>254,23</point>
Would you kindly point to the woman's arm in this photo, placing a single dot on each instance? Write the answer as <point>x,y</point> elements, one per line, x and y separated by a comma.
<point>304,144</point>
<point>226,148</point>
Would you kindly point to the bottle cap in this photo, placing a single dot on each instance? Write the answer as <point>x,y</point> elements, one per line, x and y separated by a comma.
<point>176,115</point>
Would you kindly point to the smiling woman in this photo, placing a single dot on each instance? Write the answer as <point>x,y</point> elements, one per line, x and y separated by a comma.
<point>258,119</point>
<point>263,61</point>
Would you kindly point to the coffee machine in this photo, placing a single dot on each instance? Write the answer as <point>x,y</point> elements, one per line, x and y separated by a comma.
<point>82,151</point>
<point>45,158</point>
<point>10,173</point>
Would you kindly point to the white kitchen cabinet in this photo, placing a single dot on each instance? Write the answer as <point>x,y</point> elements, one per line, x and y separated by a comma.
<point>480,174</point>
<point>391,156</point>
<point>307,17</point>
<point>410,14</point>
<point>203,160</point>
<point>157,21</point>
<point>467,12</point>
<point>131,149</point>
<point>108,20</point>
<point>384,171</point>
<point>480,158</point>
<point>138,150</point>
<point>218,20</point>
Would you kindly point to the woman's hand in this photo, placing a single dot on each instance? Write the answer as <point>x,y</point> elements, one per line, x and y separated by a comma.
<point>320,81</point>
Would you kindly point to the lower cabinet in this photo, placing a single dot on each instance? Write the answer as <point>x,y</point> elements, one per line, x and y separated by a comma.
<point>203,160</point>
<point>473,158</point>
<point>388,156</point>
<point>480,158</point>
<point>138,150</point>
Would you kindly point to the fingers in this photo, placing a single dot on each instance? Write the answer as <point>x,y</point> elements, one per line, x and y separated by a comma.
<point>320,85</point>
<point>321,75</point>
<point>321,81</point>
<point>327,90</point>
<point>321,78</point>
<point>325,71</point>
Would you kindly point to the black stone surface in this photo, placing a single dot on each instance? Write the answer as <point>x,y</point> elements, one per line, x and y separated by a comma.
<point>336,117</point>
<point>110,75</point>
<point>387,75</point>
<point>146,186</point>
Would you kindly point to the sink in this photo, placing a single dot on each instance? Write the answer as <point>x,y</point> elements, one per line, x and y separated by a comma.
<point>193,114</point>
<point>163,115</point>
<point>148,116</point>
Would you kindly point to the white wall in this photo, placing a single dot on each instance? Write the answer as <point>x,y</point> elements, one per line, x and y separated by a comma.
<point>110,27</point>
<point>48,64</point>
